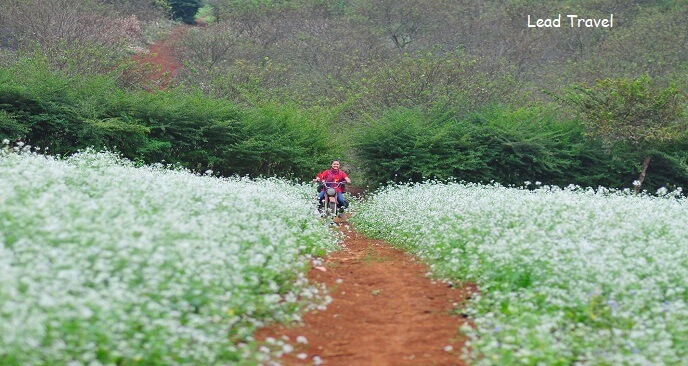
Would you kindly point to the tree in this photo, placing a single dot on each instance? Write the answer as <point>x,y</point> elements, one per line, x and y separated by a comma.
<point>631,116</point>
<point>78,37</point>
<point>398,21</point>
<point>145,10</point>
<point>185,10</point>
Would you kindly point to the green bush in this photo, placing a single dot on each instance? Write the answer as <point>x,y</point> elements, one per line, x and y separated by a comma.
<point>631,117</point>
<point>412,145</point>
<point>53,111</point>
<point>185,10</point>
<point>185,128</point>
<point>534,144</point>
<point>64,114</point>
<point>283,141</point>
<point>496,144</point>
<point>204,133</point>
<point>10,128</point>
<point>669,166</point>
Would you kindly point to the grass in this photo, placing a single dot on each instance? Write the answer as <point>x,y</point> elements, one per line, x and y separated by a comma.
<point>372,256</point>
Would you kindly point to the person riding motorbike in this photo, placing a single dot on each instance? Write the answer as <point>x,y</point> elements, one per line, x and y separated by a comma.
<point>332,178</point>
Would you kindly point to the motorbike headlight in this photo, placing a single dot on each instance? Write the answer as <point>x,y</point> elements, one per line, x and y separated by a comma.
<point>331,192</point>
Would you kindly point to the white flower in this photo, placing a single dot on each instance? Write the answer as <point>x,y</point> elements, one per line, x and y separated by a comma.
<point>542,255</point>
<point>136,250</point>
<point>287,348</point>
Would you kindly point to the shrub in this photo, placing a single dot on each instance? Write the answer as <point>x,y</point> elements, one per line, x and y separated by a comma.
<point>185,10</point>
<point>283,141</point>
<point>185,127</point>
<point>533,144</point>
<point>409,144</point>
<point>65,114</point>
<point>632,116</point>
<point>509,146</point>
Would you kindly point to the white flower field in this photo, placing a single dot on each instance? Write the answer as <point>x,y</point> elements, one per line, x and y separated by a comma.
<point>566,276</point>
<point>102,262</point>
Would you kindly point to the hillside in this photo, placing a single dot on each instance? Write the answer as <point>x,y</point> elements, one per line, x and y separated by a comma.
<point>318,52</point>
<point>353,64</point>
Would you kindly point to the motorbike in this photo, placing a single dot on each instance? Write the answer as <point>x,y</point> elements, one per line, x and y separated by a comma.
<point>330,204</point>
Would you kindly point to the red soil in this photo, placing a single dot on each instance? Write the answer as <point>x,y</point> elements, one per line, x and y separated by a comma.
<point>159,65</point>
<point>385,311</point>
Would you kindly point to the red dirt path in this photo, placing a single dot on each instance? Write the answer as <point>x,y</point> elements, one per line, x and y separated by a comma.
<point>160,64</point>
<point>385,311</point>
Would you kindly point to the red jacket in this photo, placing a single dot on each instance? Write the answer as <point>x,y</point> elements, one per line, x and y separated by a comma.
<point>331,175</point>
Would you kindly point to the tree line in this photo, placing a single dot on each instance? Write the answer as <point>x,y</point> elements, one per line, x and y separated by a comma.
<point>404,89</point>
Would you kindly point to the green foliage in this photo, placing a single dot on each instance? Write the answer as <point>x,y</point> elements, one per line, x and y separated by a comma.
<point>529,145</point>
<point>283,141</point>
<point>10,128</point>
<point>634,112</point>
<point>669,168</point>
<point>206,14</point>
<point>64,114</point>
<point>185,10</point>
<point>496,144</point>
<point>163,4</point>
<point>44,105</point>
<point>634,118</point>
<point>425,79</point>
<point>185,128</point>
<point>409,144</point>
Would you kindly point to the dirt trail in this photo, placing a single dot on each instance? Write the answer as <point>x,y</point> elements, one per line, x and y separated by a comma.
<point>385,311</point>
<point>159,65</point>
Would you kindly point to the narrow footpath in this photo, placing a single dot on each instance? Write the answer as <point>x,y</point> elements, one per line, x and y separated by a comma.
<point>385,311</point>
<point>159,65</point>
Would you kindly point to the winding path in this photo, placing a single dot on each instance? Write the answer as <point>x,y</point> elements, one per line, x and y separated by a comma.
<point>159,65</point>
<point>385,311</point>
